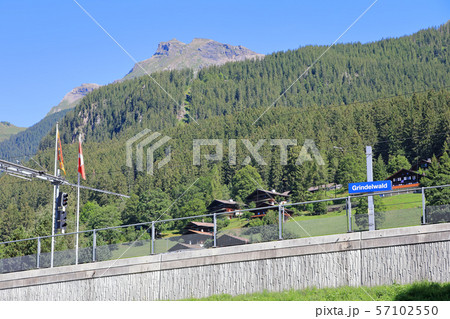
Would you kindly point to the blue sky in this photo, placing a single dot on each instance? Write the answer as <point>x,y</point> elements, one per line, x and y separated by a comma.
<point>49,47</point>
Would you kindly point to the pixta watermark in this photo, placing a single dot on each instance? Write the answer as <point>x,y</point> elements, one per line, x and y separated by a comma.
<point>308,152</point>
<point>147,137</point>
<point>152,141</point>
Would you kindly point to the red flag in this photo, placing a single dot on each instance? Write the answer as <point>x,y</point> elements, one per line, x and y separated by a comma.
<point>60,155</point>
<point>81,161</point>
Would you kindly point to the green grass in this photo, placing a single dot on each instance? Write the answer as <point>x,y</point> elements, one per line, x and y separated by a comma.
<point>402,210</point>
<point>327,215</point>
<point>306,226</point>
<point>421,291</point>
<point>402,218</point>
<point>403,201</point>
<point>236,223</point>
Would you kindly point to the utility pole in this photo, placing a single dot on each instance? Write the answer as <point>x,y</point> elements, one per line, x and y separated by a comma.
<point>55,192</point>
<point>370,179</point>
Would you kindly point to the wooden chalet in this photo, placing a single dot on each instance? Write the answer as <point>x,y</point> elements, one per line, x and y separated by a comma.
<point>224,206</point>
<point>268,200</point>
<point>196,233</point>
<point>405,178</point>
<point>421,164</point>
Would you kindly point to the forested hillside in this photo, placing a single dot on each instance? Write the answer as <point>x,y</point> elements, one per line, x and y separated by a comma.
<point>347,73</point>
<point>344,103</point>
<point>23,145</point>
<point>401,129</point>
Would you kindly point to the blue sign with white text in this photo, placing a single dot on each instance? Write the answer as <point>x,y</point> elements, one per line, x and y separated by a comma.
<point>368,187</point>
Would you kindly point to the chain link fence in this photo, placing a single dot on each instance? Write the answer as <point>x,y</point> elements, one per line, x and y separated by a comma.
<point>392,209</point>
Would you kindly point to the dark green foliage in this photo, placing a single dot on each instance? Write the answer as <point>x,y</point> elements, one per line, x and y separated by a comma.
<point>380,172</point>
<point>438,199</point>
<point>361,213</point>
<point>320,208</point>
<point>425,291</point>
<point>149,206</point>
<point>396,163</point>
<point>95,216</point>
<point>263,229</point>
<point>245,181</point>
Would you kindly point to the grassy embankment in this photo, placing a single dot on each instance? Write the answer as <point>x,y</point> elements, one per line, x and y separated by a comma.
<point>421,291</point>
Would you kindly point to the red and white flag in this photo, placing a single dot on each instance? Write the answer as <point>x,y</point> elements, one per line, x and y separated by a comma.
<point>81,160</point>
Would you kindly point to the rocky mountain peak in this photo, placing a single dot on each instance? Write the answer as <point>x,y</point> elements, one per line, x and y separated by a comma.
<point>199,53</point>
<point>170,47</point>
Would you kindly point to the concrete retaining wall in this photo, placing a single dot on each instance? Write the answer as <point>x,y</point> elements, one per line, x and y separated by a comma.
<point>401,255</point>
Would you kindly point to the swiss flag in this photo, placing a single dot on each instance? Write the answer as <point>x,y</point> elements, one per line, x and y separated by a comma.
<point>81,160</point>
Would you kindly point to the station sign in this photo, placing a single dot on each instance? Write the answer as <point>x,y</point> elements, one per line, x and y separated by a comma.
<point>369,187</point>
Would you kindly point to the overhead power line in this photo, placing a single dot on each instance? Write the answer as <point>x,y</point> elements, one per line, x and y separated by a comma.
<point>24,172</point>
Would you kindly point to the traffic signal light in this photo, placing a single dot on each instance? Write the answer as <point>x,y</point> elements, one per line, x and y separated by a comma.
<point>61,214</point>
<point>57,222</point>
<point>63,219</point>
<point>64,199</point>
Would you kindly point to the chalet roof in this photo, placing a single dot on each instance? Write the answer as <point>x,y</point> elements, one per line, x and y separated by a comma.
<point>235,237</point>
<point>182,246</point>
<point>272,193</point>
<point>198,232</point>
<point>405,170</point>
<point>224,203</point>
<point>232,239</point>
<point>199,224</point>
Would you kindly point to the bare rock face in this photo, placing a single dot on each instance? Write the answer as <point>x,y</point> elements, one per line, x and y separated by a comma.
<point>172,47</point>
<point>72,98</point>
<point>200,53</point>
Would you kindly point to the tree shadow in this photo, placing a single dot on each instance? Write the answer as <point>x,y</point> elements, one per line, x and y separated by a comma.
<point>425,291</point>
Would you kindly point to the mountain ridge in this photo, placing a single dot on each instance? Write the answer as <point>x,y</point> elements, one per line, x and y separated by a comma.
<point>198,54</point>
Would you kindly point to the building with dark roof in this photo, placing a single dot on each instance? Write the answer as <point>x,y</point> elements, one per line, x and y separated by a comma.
<point>268,200</point>
<point>184,246</point>
<point>224,206</point>
<point>405,178</point>
<point>421,164</point>
<point>231,240</point>
<point>196,233</point>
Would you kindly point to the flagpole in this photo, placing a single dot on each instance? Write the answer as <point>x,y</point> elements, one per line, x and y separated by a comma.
<point>78,219</point>
<point>81,174</point>
<point>54,200</point>
<point>78,200</point>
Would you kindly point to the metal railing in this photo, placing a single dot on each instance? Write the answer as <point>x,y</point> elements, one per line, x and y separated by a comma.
<point>283,221</point>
